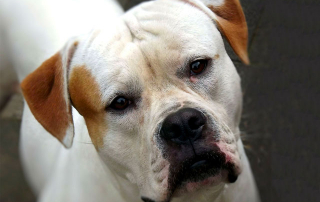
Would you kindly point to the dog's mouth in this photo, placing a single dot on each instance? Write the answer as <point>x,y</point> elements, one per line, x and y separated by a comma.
<point>206,169</point>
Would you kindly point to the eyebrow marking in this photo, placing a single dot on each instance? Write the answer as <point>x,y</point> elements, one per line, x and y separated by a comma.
<point>86,98</point>
<point>84,91</point>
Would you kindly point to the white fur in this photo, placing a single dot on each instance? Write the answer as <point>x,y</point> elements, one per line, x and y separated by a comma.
<point>155,33</point>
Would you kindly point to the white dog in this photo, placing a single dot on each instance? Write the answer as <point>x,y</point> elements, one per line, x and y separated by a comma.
<point>148,104</point>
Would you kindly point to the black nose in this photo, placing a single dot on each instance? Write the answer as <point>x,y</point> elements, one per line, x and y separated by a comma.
<point>183,126</point>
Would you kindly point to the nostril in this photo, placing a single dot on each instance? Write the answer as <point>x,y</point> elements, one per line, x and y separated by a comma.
<point>171,131</point>
<point>196,122</point>
<point>174,128</point>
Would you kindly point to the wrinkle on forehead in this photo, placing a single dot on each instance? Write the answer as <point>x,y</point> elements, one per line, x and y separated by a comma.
<point>168,36</point>
<point>146,56</point>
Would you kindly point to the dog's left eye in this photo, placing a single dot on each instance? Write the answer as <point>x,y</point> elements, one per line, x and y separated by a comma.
<point>120,103</point>
<point>198,66</point>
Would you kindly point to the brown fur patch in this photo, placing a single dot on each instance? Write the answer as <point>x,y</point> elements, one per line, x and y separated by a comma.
<point>233,25</point>
<point>44,92</point>
<point>84,91</point>
<point>86,98</point>
<point>97,128</point>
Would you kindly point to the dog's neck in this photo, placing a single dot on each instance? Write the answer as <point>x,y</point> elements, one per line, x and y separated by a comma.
<point>126,190</point>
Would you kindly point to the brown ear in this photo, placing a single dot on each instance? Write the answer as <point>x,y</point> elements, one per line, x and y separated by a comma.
<point>232,23</point>
<point>46,93</point>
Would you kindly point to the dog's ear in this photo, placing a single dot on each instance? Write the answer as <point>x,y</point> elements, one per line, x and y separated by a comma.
<point>46,93</point>
<point>231,21</point>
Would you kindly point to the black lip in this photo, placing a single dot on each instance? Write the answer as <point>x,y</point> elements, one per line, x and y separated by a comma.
<point>199,164</point>
<point>201,167</point>
<point>232,177</point>
<point>145,199</point>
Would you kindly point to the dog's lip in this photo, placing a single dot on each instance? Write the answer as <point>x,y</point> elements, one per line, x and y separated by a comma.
<point>145,199</point>
<point>202,170</point>
<point>195,169</point>
<point>198,164</point>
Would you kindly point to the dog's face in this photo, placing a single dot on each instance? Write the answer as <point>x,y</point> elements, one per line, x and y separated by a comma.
<point>160,97</point>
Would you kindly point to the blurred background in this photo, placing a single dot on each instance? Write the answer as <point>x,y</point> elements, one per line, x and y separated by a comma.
<point>281,117</point>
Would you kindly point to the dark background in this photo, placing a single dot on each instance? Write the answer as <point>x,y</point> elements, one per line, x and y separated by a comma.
<point>281,117</point>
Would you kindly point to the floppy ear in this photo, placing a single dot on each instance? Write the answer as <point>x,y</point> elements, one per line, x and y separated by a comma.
<point>231,21</point>
<point>46,93</point>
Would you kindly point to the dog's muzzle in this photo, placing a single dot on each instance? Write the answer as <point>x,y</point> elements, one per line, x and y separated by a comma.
<point>188,142</point>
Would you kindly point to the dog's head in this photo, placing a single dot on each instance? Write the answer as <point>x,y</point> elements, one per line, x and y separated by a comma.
<point>159,94</point>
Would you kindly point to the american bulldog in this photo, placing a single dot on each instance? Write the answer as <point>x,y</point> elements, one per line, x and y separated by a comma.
<point>147,108</point>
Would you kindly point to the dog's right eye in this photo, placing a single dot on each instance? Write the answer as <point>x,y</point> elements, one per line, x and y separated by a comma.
<point>120,103</point>
<point>198,66</point>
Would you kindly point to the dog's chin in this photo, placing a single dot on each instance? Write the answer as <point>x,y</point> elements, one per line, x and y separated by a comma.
<point>213,179</point>
<point>200,175</point>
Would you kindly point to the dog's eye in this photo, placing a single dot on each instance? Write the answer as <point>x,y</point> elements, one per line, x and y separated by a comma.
<point>120,103</point>
<point>198,66</point>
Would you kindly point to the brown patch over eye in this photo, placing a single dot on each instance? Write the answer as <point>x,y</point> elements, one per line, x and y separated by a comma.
<point>86,98</point>
<point>120,103</point>
<point>198,66</point>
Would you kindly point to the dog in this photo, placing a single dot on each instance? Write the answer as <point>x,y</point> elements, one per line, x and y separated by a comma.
<point>146,107</point>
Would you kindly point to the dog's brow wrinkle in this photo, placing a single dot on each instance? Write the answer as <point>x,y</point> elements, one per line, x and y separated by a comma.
<point>150,67</point>
<point>93,37</point>
<point>131,33</point>
<point>139,24</point>
<point>134,28</point>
